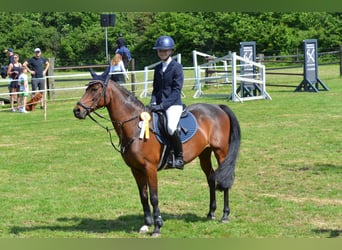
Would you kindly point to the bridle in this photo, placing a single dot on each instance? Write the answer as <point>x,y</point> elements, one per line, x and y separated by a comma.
<point>95,102</point>
<point>92,109</point>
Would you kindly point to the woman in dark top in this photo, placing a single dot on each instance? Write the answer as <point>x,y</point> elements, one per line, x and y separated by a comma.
<point>13,73</point>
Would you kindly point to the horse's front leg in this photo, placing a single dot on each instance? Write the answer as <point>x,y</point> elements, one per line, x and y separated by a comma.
<point>153,187</point>
<point>141,181</point>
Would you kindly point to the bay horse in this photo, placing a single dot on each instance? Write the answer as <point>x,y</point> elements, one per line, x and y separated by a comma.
<point>218,132</point>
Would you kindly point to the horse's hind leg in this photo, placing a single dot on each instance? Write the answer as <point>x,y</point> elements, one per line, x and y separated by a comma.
<point>205,160</point>
<point>226,209</point>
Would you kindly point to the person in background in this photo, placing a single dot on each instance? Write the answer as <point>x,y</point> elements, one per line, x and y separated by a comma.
<point>9,54</point>
<point>4,69</point>
<point>118,70</point>
<point>123,51</point>
<point>166,94</point>
<point>23,89</point>
<point>13,72</point>
<point>37,66</point>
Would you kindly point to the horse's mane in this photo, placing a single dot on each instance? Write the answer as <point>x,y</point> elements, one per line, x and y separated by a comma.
<point>130,97</point>
<point>104,77</point>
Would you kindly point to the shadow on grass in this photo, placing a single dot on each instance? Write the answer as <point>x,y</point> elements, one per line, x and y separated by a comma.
<point>317,167</point>
<point>331,232</point>
<point>126,223</point>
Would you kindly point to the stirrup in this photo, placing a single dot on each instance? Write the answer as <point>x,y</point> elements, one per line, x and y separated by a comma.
<point>172,162</point>
<point>180,163</point>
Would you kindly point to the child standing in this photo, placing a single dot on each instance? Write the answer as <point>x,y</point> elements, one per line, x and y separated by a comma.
<point>23,89</point>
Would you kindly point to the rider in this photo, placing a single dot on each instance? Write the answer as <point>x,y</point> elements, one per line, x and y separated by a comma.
<point>166,94</point>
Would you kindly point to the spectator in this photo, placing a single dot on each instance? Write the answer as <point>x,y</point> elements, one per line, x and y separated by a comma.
<point>37,66</point>
<point>123,51</point>
<point>10,55</point>
<point>13,73</point>
<point>23,89</point>
<point>4,69</point>
<point>117,68</point>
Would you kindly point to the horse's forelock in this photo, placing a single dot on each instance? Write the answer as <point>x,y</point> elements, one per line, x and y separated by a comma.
<point>91,83</point>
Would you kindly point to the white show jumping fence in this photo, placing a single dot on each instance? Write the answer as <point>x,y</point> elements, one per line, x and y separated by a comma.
<point>210,65</point>
<point>256,80</point>
<point>232,68</point>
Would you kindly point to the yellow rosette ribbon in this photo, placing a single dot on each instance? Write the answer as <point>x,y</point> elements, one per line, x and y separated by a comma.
<point>145,129</point>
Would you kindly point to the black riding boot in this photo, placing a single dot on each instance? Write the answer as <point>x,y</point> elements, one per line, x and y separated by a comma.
<point>178,151</point>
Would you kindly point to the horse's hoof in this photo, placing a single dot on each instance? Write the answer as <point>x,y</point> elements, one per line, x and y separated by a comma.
<point>143,229</point>
<point>210,217</point>
<point>223,220</point>
<point>156,235</point>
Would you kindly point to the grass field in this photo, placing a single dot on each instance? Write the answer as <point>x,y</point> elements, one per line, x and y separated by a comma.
<point>61,178</point>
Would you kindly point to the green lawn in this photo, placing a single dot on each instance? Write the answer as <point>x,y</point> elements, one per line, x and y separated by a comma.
<point>61,178</point>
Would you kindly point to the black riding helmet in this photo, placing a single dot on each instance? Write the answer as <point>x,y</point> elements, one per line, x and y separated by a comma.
<point>121,41</point>
<point>164,43</point>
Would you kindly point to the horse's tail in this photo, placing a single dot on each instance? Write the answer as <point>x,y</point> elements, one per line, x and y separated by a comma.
<point>224,174</point>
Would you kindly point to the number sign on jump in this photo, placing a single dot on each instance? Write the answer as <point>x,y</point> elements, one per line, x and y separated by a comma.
<point>311,82</point>
<point>248,51</point>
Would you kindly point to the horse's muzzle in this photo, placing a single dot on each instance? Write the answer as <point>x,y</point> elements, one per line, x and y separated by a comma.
<point>80,112</point>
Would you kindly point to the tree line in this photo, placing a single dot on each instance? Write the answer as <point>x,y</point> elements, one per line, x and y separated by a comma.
<point>77,38</point>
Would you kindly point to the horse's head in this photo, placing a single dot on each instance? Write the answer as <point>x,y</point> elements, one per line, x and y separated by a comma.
<point>93,99</point>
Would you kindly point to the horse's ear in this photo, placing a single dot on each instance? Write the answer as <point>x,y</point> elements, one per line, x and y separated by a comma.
<point>101,77</point>
<point>93,74</point>
<point>105,75</point>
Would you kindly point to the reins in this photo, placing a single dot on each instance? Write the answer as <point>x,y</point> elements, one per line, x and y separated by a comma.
<point>119,148</point>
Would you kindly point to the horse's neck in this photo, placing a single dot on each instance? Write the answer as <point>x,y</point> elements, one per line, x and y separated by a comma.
<point>121,110</point>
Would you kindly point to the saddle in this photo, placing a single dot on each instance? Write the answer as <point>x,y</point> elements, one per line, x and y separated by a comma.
<point>187,127</point>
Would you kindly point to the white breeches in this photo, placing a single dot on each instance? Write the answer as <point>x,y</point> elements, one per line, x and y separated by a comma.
<point>173,114</point>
